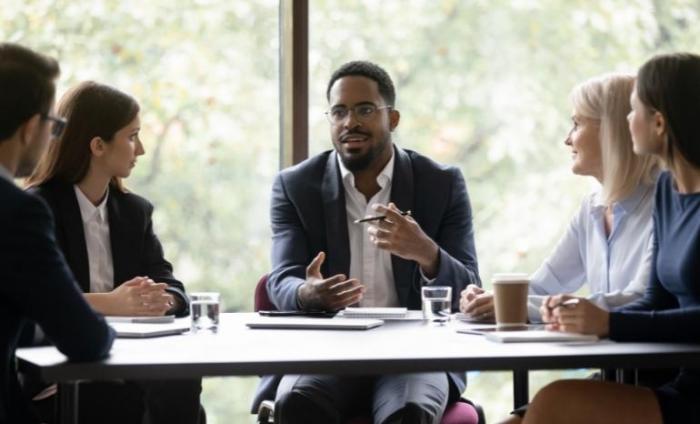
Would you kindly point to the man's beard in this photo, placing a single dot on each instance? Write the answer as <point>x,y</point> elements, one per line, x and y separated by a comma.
<point>360,163</point>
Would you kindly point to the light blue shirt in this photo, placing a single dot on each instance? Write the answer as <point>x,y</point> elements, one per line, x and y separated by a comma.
<point>615,268</point>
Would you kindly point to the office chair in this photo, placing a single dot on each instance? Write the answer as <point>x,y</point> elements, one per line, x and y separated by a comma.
<point>459,412</point>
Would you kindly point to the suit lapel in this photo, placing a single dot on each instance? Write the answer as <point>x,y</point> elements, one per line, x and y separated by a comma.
<point>335,215</point>
<point>118,242</point>
<point>402,196</point>
<point>74,236</point>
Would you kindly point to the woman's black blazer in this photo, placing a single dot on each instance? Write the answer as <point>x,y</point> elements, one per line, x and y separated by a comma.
<point>136,250</point>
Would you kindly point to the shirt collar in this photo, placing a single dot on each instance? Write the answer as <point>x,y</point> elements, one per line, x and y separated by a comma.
<point>630,203</point>
<point>4,173</point>
<point>383,179</point>
<point>626,205</point>
<point>87,209</point>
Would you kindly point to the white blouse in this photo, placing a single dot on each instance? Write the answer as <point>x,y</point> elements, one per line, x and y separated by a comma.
<point>97,241</point>
<point>616,267</point>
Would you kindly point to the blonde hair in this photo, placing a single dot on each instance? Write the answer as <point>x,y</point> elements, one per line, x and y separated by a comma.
<point>607,99</point>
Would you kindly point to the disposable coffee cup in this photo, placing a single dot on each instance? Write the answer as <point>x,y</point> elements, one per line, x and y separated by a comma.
<point>510,299</point>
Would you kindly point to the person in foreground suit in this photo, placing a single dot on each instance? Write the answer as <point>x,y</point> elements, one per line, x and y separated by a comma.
<point>664,122</point>
<point>106,234</point>
<point>35,282</point>
<point>322,260</point>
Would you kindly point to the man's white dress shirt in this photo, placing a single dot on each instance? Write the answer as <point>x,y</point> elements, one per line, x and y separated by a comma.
<point>369,264</point>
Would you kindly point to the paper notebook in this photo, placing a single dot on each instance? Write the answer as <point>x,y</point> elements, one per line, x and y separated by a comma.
<point>538,336</point>
<point>315,323</point>
<point>162,319</point>
<point>138,330</point>
<point>381,313</point>
<point>459,316</point>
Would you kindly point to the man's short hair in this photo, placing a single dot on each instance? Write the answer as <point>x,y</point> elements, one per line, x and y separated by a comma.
<point>26,86</point>
<point>369,70</point>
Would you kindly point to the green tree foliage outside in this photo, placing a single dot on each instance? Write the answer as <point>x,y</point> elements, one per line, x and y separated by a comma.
<point>482,85</point>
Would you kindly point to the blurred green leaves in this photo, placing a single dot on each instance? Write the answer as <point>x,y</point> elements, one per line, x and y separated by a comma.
<point>481,84</point>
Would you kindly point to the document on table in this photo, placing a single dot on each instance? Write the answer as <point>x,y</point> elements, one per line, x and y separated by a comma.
<point>381,313</point>
<point>459,316</point>
<point>140,330</point>
<point>314,323</point>
<point>161,319</point>
<point>538,336</point>
<point>525,333</point>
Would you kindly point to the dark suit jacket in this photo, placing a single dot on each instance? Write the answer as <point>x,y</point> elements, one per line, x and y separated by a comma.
<point>36,284</point>
<point>308,215</point>
<point>135,248</point>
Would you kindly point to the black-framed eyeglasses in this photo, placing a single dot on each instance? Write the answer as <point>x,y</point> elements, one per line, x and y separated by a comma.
<point>59,124</point>
<point>363,113</point>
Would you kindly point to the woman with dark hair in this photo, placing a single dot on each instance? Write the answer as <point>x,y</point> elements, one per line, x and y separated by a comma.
<point>665,122</point>
<point>106,234</point>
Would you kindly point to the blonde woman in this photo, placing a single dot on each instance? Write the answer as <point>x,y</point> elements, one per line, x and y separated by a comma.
<point>665,124</point>
<point>607,245</point>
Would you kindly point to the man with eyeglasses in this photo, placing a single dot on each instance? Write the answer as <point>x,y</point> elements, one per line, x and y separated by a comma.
<point>35,282</point>
<point>322,259</point>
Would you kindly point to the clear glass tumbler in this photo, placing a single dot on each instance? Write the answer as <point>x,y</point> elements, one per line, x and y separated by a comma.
<point>205,312</point>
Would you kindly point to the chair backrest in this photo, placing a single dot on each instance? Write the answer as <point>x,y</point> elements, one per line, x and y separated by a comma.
<point>262,300</point>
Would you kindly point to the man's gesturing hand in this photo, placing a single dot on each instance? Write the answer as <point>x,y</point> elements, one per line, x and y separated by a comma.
<point>329,294</point>
<point>402,236</point>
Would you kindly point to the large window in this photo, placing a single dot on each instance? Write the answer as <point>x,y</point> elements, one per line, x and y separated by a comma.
<point>482,85</point>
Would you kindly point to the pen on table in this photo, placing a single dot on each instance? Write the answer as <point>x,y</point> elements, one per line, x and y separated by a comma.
<point>565,304</point>
<point>378,217</point>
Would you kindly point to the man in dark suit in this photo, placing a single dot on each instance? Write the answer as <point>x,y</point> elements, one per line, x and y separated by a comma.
<point>322,260</point>
<point>35,282</point>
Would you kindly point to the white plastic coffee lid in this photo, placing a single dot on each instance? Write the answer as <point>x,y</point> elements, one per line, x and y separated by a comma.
<point>510,277</point>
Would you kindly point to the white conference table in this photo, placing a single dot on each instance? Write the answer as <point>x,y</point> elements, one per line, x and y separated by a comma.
<point>396,347</point>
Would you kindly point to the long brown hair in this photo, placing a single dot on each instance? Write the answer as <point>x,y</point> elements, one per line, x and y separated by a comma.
<point>92,110</point>
<point>670,84</point>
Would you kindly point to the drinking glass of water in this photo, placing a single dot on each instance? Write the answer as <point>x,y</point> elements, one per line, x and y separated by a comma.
<point>437,302</point>
<point>205,312</point>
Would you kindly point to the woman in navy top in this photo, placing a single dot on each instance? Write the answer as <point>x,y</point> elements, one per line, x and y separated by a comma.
<point>665,121</point>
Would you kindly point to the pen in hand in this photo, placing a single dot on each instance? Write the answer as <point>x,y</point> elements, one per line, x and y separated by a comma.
<point>565,304</point>
<point>378,217</point>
